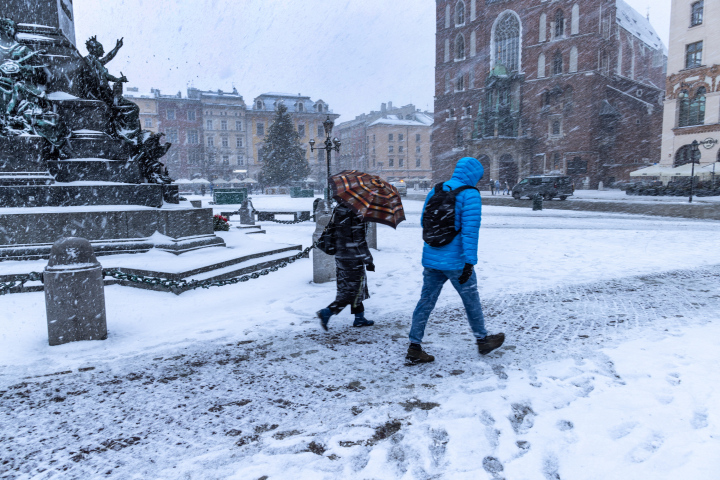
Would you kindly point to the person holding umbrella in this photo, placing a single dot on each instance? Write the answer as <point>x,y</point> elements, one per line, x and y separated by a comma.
<point>361,198</point>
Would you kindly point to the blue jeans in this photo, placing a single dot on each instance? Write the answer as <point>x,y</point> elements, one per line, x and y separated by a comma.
<point>433,281</point>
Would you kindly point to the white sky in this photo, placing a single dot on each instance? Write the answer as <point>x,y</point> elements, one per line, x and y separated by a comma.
<point>354,54</point>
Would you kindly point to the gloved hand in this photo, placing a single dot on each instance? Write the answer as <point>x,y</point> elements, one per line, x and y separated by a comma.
<point>370,267</point>
<point>466,274</point>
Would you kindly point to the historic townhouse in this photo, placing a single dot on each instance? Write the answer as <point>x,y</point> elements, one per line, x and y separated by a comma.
<point>534,86</point>
<point>692,104</point>
<point>393,142</point>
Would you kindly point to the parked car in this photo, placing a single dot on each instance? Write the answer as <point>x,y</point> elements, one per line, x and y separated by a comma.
<point>401,187</point>
<point>549,186</point>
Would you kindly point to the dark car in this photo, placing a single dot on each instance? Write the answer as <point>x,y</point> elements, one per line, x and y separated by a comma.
<point>549,186</point>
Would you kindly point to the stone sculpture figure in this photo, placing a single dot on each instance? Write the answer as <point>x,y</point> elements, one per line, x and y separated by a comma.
<point>151,150</point>
<point>24,107</point>
<point>125,123</point>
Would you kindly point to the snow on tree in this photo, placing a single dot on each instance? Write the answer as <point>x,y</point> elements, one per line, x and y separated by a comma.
<point>284,159</point>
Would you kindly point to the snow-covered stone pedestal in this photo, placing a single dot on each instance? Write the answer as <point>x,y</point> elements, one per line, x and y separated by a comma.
<point>74,293</point>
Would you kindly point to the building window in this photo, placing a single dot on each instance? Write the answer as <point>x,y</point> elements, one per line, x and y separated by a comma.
<point>556,127</point>
<point>685,155</point>
<point>401,137</point>
<point>172,135</point>
<point>557,63</point>
<point>226,160</point>
<point>260,129</point>
<point>507,42</point>
<point>148,123</point>
<point>225,142</point>
<point>557,161</point>
<point>208,124</point>
<point>321,132</point>
<point>300,107</point>
<point>223,124</point>
<point>240,160</point>
<point>459,47</point>
<point>210,141</point>
<point>692,111</point>
<point>259,105</point>
<point>260,154</point>
<point>559,24</point>
<point>460,13</point>
<point>417,149</point>
<point>390,137</point>
<point>238,125</point>
<point>391,162</point>
<point>192,137</point>
<point>301,130</point>
<point>401,161</point>
<point>460,83</point>
<point>417,163</point>
<point>577,166</point>
<point>170,114</point>
<point>238,142</point>
<point>697,13</point>
<point>191,115</point>
<point>417,137</point>
<point>541,66</point>
<point>401,149</point>
<point>693,55</point>
<point>391,148</point>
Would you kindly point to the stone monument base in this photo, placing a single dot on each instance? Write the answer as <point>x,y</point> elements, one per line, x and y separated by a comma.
<point>28,233</point>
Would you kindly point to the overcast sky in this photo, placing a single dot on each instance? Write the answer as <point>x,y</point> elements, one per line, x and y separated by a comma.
<point>354,54</point>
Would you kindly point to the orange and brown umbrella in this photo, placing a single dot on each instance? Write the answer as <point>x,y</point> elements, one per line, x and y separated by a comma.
<point>369,195</point>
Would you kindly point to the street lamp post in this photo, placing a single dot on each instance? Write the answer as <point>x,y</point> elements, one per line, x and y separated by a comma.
<point>330,145</point>
<point>694,150</point>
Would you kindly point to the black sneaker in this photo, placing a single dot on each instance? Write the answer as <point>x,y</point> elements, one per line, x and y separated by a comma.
<point>416,355</point>
<point>363,322</point>
<point>490,343</point>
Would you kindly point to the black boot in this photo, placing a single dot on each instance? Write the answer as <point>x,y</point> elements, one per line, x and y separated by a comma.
<point>490,343</point>
<point>416,355</point>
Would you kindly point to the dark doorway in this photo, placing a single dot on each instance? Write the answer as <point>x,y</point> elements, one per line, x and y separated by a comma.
<point>508,170</point>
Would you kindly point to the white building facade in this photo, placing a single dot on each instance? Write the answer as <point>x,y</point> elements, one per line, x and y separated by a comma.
<point>692,102</point>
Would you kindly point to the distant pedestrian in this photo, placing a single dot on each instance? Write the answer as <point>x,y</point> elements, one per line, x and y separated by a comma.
<point>451,226</point>
<point>507,189</point>
<point>492,187</point>
<point>497,186</point>
<point>353,257</point>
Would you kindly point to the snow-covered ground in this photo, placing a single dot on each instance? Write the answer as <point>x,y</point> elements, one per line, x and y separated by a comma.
<point>608,370</point>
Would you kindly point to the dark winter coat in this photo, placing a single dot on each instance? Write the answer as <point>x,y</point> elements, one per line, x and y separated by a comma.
<point>351,258</point>
<point>350,233</point>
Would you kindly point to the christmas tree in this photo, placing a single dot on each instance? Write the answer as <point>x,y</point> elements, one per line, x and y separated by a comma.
<point>283,158</point>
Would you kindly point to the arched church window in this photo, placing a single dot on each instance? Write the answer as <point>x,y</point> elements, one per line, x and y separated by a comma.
<point>459,47</point>
<point>506,40</point>
<point>559,24</point>
<point>460,13</point>
<point>557,63</point>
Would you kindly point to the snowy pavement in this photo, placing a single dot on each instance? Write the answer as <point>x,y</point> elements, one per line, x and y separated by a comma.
<point>609,370</point>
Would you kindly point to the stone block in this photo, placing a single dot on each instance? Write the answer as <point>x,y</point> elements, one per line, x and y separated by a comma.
<point>74,293</point>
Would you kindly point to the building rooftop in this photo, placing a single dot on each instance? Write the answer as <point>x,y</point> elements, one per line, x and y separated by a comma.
<point>632,21</point>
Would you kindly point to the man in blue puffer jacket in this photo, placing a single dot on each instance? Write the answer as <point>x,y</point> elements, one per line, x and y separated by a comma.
<point>454,262</point>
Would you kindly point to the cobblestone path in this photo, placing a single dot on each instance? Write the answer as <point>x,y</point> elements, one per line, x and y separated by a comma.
<point>297,393</point>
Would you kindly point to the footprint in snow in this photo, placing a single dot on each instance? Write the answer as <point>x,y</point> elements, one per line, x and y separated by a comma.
<point>673,379</point>
<point>646,449</point>
<point>699,420</point>
<point>622,430</point>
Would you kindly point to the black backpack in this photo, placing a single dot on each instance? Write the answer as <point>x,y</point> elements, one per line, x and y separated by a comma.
<point>439,216</point>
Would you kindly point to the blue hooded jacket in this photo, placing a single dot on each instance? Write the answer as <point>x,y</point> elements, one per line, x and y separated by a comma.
<point>463,248</point>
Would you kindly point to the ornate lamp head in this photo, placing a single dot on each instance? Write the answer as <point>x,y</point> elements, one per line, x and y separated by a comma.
<point>328,126</point>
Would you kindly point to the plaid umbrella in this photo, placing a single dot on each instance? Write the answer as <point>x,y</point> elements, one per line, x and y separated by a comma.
<point>369,195</point>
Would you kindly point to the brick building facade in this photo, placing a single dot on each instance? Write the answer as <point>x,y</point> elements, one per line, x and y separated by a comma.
<point>393,142</point>
<point>530,87</point>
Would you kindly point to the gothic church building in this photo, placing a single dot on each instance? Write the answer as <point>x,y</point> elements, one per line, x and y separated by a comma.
<point>531,87</point>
